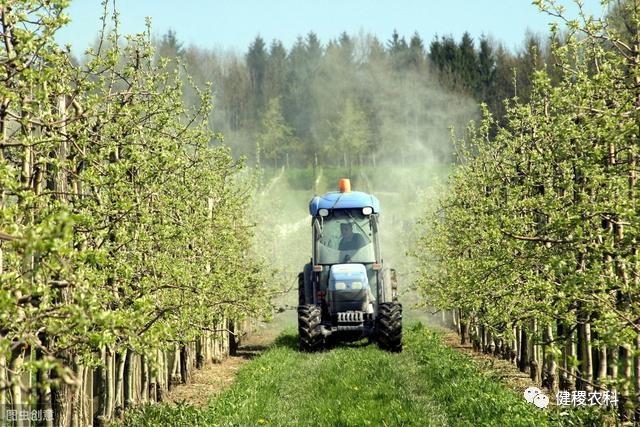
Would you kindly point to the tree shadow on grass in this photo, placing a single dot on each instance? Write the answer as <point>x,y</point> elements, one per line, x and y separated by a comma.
<point>290,341</point>
<point>336,344</point>
<point>251,351</point>
<point>287,340</point>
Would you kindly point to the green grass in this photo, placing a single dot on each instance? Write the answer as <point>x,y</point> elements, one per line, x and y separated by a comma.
<point>356,385</point>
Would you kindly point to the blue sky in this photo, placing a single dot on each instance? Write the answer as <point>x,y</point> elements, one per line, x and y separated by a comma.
<point>234,24</point>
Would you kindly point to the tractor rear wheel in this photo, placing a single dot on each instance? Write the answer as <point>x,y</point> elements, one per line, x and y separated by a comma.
<point>389,326</point>
<point>309,330</point>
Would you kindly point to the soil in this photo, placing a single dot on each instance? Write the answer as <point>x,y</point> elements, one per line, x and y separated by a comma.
<point>507,372</point>
<point>214,378</point>
<point>207,382</point>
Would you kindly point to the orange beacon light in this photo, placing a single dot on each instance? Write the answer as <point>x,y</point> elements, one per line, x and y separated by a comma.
<point>344,185</point>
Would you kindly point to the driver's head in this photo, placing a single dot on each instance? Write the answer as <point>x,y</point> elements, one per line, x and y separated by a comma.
<point>346,230</point>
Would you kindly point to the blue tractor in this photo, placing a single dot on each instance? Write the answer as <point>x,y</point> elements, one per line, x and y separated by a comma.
<point>344,292</point>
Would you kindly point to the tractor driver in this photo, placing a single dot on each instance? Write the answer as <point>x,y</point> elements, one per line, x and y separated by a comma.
<point>350,241</point>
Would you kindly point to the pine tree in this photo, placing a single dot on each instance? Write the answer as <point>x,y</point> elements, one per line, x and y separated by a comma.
<point>346,47</point>
<point>256,60</point>
<point>486,71</point>
<point>170,46</point>
<point>416,53</point>
<point>398,50</point>
<point>466,65</point>
<point>277,71</point>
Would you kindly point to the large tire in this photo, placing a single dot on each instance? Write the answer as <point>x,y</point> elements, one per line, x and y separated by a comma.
<point>309,331</point>
<point>389,326</point>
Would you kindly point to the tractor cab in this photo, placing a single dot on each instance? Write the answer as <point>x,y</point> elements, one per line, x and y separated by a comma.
<point>344,284</point>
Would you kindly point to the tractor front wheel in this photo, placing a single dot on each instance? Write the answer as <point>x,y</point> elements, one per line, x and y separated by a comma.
<point>389,326</point>
<point>309,330</point>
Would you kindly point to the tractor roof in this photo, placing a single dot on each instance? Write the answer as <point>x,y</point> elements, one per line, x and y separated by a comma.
<point>338,200</point>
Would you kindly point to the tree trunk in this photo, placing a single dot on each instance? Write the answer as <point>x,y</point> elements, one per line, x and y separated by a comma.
<point>200,353</point>
<point>550,371</point>
<point>569,355</point>
<point>612,363</point>
<point>107,380</point>
<point>625,403</point>
<point>636,359</point>
<point>602,367</point>
<point>144,385</point>
<point>233,343</point>
<point>491,343</point>
<point>514,347</point>
<point>128,376</point>
<point>185,365</point>
<point>175,368</point>
<point>16,368</point>
<point>4,384</point>
<point>534,361</point>
<point>523,362</point>
<point>44,394</point>
<point>118,388</point>
<point>586,365</point>
<point>63,397</point>
<point>77,410</point>
<point>162,376</point>
<point>454,319</point>
<point>464,329</point>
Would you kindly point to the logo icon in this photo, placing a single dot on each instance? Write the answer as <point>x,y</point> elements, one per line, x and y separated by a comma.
<point>537,397</point>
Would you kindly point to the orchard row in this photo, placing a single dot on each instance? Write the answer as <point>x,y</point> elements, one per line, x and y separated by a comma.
<point>535,246</point>
<point>125,257</point>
